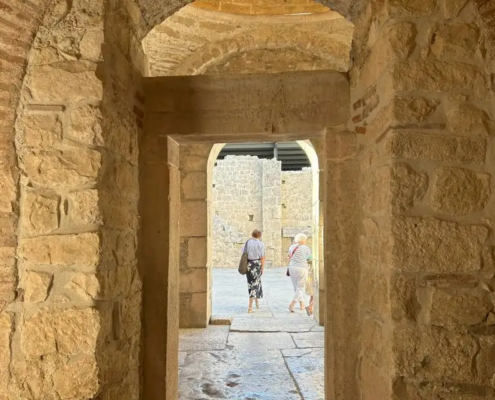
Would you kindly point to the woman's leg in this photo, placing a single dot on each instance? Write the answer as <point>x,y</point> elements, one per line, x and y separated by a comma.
<point>301,275</point>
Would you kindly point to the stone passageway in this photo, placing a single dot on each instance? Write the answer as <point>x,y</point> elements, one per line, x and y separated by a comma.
<point>270,354</point>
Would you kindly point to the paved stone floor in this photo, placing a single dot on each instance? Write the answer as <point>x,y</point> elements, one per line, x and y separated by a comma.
<point>270,354</point>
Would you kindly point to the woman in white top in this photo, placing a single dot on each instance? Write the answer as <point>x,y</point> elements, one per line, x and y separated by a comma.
<point>299,255</point>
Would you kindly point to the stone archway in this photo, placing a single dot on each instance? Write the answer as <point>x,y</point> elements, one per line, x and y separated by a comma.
<point>235,125</point>
<point>317,220</point>
<point>441,131</point>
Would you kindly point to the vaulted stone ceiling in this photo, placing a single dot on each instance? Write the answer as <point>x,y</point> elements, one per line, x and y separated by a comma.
<point>263,7</point>
<point>197,41</point>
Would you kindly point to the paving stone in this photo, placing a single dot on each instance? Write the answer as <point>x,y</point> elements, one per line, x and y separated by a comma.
<point>213,338</point>
<point>309,339</point>
<point>255,341</point>
<point>272,325</point>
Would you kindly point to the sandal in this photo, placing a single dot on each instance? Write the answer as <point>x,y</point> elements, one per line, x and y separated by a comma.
<point>291,309</point>
<point>309,311</point>
<point>250,310</point>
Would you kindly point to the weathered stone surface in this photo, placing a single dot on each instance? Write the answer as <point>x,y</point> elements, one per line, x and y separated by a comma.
<point>86,286</point>
<point>49,84</point>
<point>308,339</point>
<point>427,244</point>
<point>64,250</point>
<point>396,42</point>
<point>403,298</point>
<point>413,109</point>
<point>213,338</point>
<point>260,341</point>
<point>70,331</point>
<point>436,148</point>
<point>193,280</point>
<point>6,321</point>
<point>408,187</point>
<point>193,218</point>
<point>451,8</point>
<point>435,354</point>
<point>82,208</point>
<point>460,191</point>
<point>36,286</point>
<point>194,186</point>
<point>63,168</point>
<point>78,379</point>
<point>456,41</point>
<point>41,130</point>
<point>402,8</point>
<point>86,125</point>
<point>39,214</point>
<point>467,119</point>
<point>456,307</point>
<point>437,76</point>
<point>196,252</point>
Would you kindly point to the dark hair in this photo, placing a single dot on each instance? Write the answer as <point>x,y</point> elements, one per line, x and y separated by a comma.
<point>256,234</point>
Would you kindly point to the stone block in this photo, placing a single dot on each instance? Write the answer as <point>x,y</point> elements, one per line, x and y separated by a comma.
<point>36,286</point>
<point>432,245</point>
<point>82,208</point>
<point>86,125</point>
<point>407,187</point>
<point>6,325</point>
<point>419,146</point>
<point>197,252</point>
<point>78,379</point>
<point>194,312</point>
<point>403,298</point>
<point>194,280</point>
<point>456,41</point>
<point>81,250</point>
<point>41,130</point>
<point>86,286</point>
<point>451,8</point>
<point>194,186</point>
<point>454,307</point>
<point>403,8</point>
<point>39,214</point>
<point>49,84</point>
<point>469,120</point>
<point>438,76</point>
<point>484,361</point>
<point>67,168</point>
<point>193,218</point>
<point>69,331</point>
<point>460,191</point>
<point>434,354</point>
<point>376,382</point>
<point>375,289</point>
<point>413,109</point>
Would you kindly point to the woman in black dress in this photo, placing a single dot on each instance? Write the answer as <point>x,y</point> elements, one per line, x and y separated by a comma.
<point>256,265</point>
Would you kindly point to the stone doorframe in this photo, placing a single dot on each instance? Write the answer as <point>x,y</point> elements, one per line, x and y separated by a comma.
<point>316,222</point>
<point>187,111</point>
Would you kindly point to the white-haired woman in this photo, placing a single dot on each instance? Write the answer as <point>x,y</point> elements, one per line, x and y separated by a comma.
<point>299,255</point>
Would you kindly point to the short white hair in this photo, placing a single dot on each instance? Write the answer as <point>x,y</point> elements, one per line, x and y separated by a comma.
<point>300,237</point>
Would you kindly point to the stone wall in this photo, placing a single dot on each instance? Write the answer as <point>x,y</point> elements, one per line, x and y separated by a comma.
<point>423,94</point>
<point>297,207</point>
<point>250,193</point>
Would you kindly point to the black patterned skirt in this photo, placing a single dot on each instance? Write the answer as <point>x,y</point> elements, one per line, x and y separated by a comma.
<point>253,275</point>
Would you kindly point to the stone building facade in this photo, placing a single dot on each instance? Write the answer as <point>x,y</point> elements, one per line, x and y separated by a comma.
<point>250,193</point>
<point>89,245</point>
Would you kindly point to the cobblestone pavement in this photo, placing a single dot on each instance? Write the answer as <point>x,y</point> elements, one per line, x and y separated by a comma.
<point>270,354</point>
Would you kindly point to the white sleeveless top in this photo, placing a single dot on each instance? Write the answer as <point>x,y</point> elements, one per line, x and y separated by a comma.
<point>300,257</point>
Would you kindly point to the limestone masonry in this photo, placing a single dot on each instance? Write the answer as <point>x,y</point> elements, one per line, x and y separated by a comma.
<point>249,193</point>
